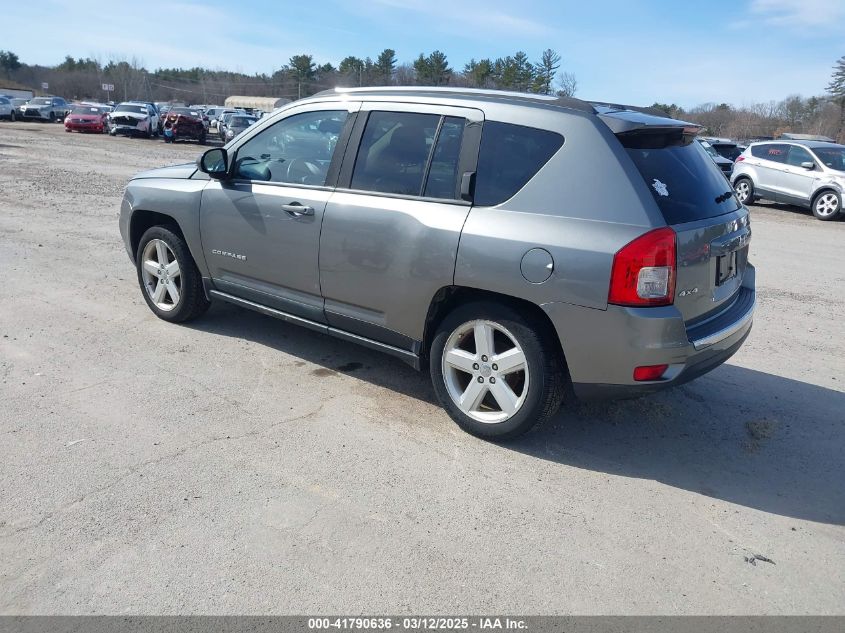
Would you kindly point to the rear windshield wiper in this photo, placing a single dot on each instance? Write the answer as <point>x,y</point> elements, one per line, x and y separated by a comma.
<point>724,197</point>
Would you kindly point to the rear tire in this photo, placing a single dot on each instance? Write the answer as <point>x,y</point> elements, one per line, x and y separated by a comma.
<point>744,189</point>
<point>170,281</point>
<point>827,205</point>
<point>13,117</point>
<point>201,140</point>
<point>529,377</point>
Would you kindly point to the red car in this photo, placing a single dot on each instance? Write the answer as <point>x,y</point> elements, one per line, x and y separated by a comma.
<point>183,123</point>
<point>87,118</point>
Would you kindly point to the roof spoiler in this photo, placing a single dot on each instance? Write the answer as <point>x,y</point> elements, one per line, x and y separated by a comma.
<point>623,119</point>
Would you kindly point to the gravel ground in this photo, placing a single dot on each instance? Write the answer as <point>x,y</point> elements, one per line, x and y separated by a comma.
<point>243,465</point>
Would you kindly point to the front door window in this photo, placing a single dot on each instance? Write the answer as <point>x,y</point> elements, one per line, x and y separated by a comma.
<point>296,150</point>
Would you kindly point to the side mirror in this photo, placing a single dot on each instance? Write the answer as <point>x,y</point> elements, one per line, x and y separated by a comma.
<point>809,165</point>
<point>215,163</point>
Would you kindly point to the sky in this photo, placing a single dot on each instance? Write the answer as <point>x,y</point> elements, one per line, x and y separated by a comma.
<point>636,52</point>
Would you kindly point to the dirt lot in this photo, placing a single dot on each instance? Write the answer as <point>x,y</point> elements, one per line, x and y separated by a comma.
<point>243,465</point>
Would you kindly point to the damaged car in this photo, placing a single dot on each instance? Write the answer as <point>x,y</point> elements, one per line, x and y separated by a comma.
<point>134,118</point>
<point>182,123</point>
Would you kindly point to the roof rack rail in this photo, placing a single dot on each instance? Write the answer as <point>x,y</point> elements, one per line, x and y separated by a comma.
<point>568,102</point>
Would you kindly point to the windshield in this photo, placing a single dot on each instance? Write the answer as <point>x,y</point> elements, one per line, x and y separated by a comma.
<point>86,110</point>
<point>41,101</point>
<point>686,184</point>
<point>833,157</point>
<point>137,109</point>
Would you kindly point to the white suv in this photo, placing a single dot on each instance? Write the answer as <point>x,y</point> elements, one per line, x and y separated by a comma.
<point>809,174</point>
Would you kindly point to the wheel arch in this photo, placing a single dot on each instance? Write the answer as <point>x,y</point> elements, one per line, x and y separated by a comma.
<point>447,298</point>
<point>143,220</point>
<point>825,188</point>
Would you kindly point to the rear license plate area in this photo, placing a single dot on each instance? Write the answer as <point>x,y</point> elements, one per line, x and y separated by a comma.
<point>725,268</point>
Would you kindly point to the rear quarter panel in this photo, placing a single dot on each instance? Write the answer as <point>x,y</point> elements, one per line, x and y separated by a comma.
<point>584,205</point>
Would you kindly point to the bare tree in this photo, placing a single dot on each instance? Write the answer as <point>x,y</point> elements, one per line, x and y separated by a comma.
<point>567,85</point>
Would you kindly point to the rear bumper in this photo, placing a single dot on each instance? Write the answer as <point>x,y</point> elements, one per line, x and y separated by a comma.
<point>602,347</point>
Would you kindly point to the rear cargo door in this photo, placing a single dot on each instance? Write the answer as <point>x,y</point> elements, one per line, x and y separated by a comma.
<point>712,227</point>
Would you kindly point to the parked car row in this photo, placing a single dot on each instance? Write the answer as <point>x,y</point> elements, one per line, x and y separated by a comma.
<point>132,118</point>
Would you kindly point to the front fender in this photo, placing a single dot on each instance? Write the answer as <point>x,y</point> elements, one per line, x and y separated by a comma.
<point>178,200</point>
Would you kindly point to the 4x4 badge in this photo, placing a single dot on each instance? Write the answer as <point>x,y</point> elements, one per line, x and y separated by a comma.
<point>660,187</point>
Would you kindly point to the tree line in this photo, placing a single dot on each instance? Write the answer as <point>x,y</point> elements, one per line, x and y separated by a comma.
<point>82,78</point>
<point>302,76</point>
<point>820,116</point>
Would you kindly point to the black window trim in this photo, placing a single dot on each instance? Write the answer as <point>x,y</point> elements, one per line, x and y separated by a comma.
<point>430,158</point>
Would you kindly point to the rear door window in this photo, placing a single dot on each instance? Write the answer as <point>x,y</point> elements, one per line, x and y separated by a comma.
<point>394,152</point>
<point>771,151</point>
<point>509,156</point>
<point>683,179</point>
<point>798,155</point>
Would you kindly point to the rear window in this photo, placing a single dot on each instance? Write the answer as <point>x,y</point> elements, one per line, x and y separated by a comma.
<point>730,152</point>
<point>684,181</point>
<point>770,151</point>
<point>508,158</point>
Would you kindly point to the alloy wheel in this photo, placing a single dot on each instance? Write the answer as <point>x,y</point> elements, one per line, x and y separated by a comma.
<point>742,190</point>
<point>161,275</point>
<point>827,205</point>
<point>485,371</point>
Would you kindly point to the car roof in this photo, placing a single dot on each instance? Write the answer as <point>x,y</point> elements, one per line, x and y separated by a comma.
<point>792,141</point>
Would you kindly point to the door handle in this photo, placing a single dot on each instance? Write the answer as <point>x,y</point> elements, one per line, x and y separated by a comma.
<point>297,210</point>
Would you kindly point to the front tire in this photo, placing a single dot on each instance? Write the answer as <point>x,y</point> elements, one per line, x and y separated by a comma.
<point>13,117</point>
<point>496,372</point>
<point>168,276</point>
<point>827,205</point>
<point>744,189</point>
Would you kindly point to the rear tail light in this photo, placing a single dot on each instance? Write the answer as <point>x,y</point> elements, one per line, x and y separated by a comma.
<point>649,372</point>
<point>644,271</point>
<point>739,159</point>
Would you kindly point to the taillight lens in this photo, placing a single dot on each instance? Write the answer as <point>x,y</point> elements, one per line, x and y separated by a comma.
<point>739,159</point>
<point>649,372</point>
<point>643,272</point>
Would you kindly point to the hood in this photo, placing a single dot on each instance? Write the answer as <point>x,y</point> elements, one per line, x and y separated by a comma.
<point>179,172</point>
<point>85,117</point>
<point>127,114</point>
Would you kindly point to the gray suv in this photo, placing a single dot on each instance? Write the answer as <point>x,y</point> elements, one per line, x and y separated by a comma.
<point>524,249</point>
<point>808,174</point>
<point>52,109</point>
